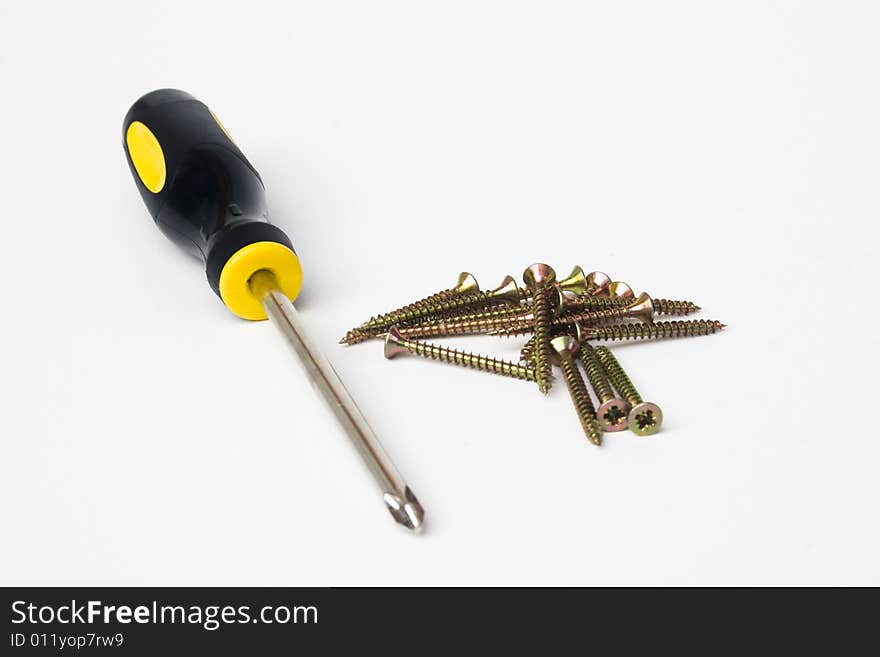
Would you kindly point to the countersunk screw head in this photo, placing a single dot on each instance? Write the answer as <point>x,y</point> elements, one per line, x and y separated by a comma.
<point>539,274</point>
<point>466,283</point>
<point>508,291</point>
<point>620,290</point>
<point>575,282</point>
<point>597,283</point>
<point>612,415</point>
<point>642,308</point>
<point>645,419</point>
<point>393,346</point>
<point>565,347</point>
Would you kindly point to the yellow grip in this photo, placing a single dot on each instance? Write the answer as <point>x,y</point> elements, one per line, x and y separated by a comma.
<point>248,260</point>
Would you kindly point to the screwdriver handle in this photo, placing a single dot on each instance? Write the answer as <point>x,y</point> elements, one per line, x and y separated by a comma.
<point>206,197</point>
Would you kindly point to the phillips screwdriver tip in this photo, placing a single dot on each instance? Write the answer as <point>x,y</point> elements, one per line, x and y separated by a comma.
<point>407,512</point>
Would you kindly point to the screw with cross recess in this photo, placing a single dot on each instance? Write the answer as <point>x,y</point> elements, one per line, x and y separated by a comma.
<point>613,410</point>
<point>644,418</point>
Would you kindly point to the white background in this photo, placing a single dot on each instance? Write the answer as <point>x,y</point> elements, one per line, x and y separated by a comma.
<point>727,153</point>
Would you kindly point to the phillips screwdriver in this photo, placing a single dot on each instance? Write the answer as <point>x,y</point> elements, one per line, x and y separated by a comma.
<point>206,197</point>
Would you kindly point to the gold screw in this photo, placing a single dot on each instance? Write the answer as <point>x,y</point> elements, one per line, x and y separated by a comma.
<point>661,306</point>
<point>471,323</point>
<point>395,344</point>
<point>612,409</point>
<point>565,347</point>
<point>465,284</point>
<point>539,277</point>
<point>655,331</point>
<point>644,417</point>
<point>445,305</point>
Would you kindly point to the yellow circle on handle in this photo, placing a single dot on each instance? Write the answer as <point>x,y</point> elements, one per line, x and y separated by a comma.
<point>146,155</point>
<point>247,261</point>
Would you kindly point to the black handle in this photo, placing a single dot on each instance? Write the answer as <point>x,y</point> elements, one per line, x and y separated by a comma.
<point>204,194</point>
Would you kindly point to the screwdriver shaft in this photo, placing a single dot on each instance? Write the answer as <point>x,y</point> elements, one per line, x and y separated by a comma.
<point>398,497</point>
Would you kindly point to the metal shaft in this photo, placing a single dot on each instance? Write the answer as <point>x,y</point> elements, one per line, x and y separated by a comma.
<point>400,500</point>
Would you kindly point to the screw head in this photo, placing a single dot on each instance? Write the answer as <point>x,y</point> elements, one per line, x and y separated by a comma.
<point>393,346</point>
<point>597,283</point>
<point>466,283</point>
<point>612,415</point>
<point>539,274</point>
<point>565,347</point>
<point>620,290</point>
<point>508,291</point>
<point>642,308</point>
<point>645,419</point>
<point>575,282</point>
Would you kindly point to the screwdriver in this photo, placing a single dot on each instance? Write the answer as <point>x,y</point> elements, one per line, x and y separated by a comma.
<point>206,197</point>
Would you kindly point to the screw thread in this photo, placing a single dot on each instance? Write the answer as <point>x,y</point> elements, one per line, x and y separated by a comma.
<point>591,317</point>
<point>595,374</point>
<point>580,397</point>
<point>466,359</point>
<point>415,305</point>
<point>527,353</point>
<point>655,331</point>
<point>516,326</point>
<point>622,383</point>
<point>480,322</point>
<point>542,329</point>
<point>661,306</point>
<point>356,335</point>
<point>445,305</point>
<point>590,302</point>
<point>671,307</point>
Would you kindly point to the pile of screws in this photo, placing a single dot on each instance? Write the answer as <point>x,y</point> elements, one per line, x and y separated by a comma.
<point>562,317</point>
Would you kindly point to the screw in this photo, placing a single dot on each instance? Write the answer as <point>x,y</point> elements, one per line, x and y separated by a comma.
<point>612,409</point>
<point>657,330</point>
<point>661,306</point>
<point>644,418</point>
<point>396,344</point>
<point>471,323</point>
<point>443,306</point>
<point>565,347</point>
<point>465,284</point>
<point>538,278</point>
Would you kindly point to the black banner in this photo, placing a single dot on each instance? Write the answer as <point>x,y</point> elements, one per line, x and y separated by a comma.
<point>172,621</point>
